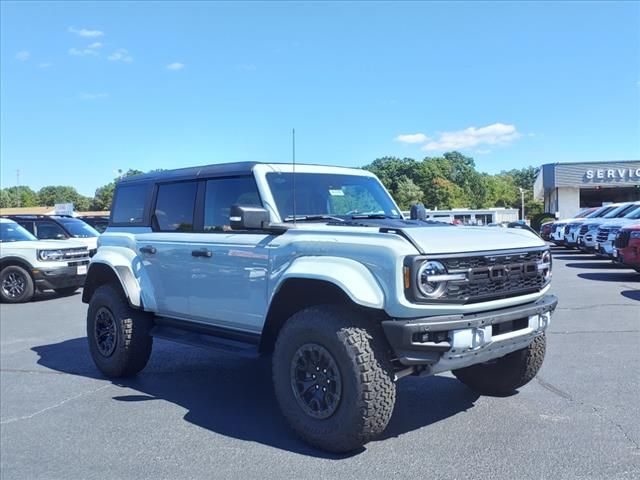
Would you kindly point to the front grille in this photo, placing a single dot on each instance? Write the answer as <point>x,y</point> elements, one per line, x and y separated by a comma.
<point>622,240</point>
<point>603,235</point>
<point>494,276</point>
<point>583,230</point>
<point>75,253</point>
<point>566,229</point>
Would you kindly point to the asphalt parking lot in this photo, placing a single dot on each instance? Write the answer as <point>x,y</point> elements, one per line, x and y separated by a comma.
<point>197,414</point>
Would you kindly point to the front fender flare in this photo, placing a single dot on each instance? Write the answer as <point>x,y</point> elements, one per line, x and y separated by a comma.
<point>352,277</point>
<point>129,270</point>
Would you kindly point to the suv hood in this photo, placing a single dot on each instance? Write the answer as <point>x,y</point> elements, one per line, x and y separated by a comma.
<point>472,239</point>
<point>43,244</point>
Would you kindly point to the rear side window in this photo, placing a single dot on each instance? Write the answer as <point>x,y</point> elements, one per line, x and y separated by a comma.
<point>175,207</point>
<point>128,205</point>
<point>221,194</point>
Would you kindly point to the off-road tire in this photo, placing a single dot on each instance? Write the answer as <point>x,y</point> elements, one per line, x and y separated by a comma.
<point>361,354</point>
<point>66,291</point>
<point>24,276</point>
<point>504,375</point>
<point>132,340</point>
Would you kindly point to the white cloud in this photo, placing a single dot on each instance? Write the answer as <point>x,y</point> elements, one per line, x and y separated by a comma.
<point>494,134</point>
<point>23,55</point>
<point>83,32</point>
<point>412,138</point>
<point>121,55</point>
<point>95,45</point>
<point>92,96</point>
<point>175,66</point>
<point>82,52</point>
<point>45,65</point>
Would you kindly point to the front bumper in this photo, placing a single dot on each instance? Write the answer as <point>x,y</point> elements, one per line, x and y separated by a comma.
<point>448,342</point>
<point>60,277</point>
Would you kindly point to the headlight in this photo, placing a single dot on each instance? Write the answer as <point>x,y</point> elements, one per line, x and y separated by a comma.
<point>635,234</point>
<point>50,255</point>
<point>432,279</point>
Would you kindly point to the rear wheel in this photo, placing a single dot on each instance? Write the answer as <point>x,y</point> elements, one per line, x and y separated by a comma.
<point>16,284</point>
<point>333,378</point>
<point>118,335</point>
<point>504,375</point>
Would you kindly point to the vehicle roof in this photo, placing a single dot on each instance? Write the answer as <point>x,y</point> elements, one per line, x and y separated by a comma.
<point>216,170</point>
<point>39,217</point>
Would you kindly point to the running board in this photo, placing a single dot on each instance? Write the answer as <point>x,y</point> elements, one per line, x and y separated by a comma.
<point>205,340</point>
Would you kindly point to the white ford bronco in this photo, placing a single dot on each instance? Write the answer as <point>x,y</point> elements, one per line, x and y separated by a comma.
<point>317,267</point>
<point>28,265</point>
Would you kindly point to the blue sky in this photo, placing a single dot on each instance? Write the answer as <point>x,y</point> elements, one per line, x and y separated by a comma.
<point>89,88</point>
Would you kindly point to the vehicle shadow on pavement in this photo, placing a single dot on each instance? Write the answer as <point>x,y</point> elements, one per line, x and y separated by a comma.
<point>630,276</point>
<point>581,256</point>
<point>597,264</point>
<point>233,396</point>
<point>50,295</point>
<point>631,294</point>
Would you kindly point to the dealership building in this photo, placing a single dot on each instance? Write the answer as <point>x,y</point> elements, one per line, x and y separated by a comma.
<point>568,187</point>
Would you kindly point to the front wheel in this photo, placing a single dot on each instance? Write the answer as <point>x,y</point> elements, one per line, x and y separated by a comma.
<point>118,335</point>
<point>16,285</point>
<point>333,378</point>
<point>504,375</point>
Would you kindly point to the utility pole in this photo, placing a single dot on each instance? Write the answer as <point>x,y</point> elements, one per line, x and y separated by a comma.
<point>522,202</point>
<point>18,187</point>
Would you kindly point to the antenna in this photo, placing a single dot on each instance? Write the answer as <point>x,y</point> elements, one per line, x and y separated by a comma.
<point>293,175</point>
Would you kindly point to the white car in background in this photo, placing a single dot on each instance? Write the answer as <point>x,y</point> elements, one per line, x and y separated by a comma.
<point>608,231</point>
<point>28,265</point>
<point>588,229</point>
<point>569,231</point>
<point>557,228</point>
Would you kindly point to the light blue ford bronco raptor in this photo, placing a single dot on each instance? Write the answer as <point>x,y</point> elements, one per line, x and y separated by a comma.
<point>317,267</point>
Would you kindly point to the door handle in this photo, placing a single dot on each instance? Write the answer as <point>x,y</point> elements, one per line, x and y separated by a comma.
<point>201,253</point>
<point>148,249</point>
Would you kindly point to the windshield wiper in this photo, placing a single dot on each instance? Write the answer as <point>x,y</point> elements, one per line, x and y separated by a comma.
<point>373,216</point>
<point>311,218</point>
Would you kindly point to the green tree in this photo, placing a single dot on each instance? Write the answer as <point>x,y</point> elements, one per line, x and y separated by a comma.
<point>21,196</point>
<point>52,194</point>
<point>408,193</point>
<point>104,195</point>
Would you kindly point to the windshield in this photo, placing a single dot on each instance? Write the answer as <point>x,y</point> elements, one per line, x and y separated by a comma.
<point>324,194</point>
<point>12,232</point>
<point>634,214</point>
<point>619,211</point>
<point>600,212</point>
<point>584,213</point>
<point>77,228</point>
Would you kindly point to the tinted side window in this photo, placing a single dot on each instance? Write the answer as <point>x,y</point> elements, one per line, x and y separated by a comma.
<point>49,231</point>
<point>26,224</point>
<point>128,204</point>
<point>221,193</point>
<point>175,206</point>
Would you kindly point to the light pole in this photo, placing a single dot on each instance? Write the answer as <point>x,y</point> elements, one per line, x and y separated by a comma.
<point>522,202</point>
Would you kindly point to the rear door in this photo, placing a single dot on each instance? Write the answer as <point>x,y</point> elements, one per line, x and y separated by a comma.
<point>166,252</point>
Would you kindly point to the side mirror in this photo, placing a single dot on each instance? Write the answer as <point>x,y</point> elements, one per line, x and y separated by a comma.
<point>248,218</point>
<point>60,236</point>
<point>418,212</point>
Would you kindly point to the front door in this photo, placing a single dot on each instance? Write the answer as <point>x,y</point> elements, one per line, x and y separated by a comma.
<point>228,285</point>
